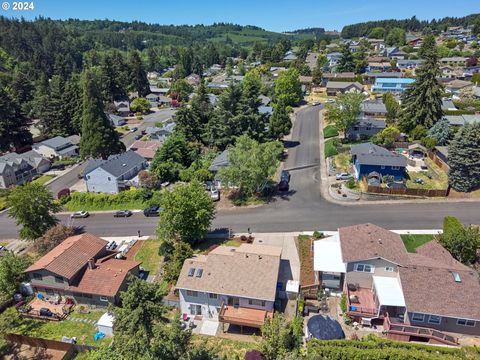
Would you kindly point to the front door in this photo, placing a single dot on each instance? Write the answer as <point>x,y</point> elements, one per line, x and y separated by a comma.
<point>195,309</point>
<point>234,301</point>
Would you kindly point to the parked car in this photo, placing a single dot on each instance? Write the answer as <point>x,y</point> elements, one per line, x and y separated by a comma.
<point>111,245</point>
<point>80,215</point>
<point>133,129</point>
<point>283,186</point>
<point>316,103</point>
<point>215,194</point>
<point>152,211</point>
<point>330,101</point>
<point>343,176</point>
<point>419,181</point>
<point>138,137</point>
<point>122,213</point>
<point>285,176</point>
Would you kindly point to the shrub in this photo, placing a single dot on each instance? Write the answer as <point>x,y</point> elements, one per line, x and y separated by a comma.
<point>330,131</point>
<point>343,303</point>
<point>317,234</point>
<point>350,184</point>
<point>330,148</point>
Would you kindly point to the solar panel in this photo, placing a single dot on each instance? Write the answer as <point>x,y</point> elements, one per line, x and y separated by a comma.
<point>199,273</point>
<point>191,272</point>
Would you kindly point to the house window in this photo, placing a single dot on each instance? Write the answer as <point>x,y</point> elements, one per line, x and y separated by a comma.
<point>368,128</point>
<point>37,276</point>
<point>213,296</point>
<point>382,167</point>
<point>418,317</point>
<point>192,293</point>
<point>434,319</point>
<point>103,298</point>
<point>250,302</point>
<point>109,178</point>
<point>395,167</point>
<point>389,268</point>
<point>465,322</point>
<point>88,177</point>
<point>364,268</point>
<point>355,128</point>
<point>88,296</point>
<point>59,279</point>
<point>263,303</point>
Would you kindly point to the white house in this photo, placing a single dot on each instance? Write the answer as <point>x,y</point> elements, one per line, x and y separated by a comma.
<point>234,285</point>
<point>58,147</point>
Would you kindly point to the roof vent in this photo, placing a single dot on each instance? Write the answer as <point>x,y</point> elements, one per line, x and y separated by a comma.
<point>456,277</point>
<point>380,241</point>
<point>191,272</point>
<point>124,164</point>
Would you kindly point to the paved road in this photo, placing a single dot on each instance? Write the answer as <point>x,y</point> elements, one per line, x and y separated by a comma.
<point>302,209</point>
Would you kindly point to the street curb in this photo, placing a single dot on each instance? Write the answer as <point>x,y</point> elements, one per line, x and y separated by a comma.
<point>97,212</point>
<point>326,196</point>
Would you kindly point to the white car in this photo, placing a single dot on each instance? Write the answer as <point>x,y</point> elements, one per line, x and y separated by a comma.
<point>215,195</point>
<point>343,176</point>
<point>80,214</point>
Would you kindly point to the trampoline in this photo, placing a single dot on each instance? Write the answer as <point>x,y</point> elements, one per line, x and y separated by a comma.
<point>324,328</point>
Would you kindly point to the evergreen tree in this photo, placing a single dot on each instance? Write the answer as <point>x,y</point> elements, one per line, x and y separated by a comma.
<point>187,122</point>
<point>201,105</point>
<point>138,76</point>
<point>440,132</point>
<point>346,62</point>
<point>13,124</point>
<point>98,139</point>
<point>422,101</point>
<point>72,103</point>
<point>360,60</point>
<point>279,123</point>
<point>463,158</point>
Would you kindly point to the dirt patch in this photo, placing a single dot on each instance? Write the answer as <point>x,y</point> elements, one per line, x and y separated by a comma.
<point>226,202</point>
<point>305,251</point>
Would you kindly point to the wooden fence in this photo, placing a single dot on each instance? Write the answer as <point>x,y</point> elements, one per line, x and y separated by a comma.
<point>410,192</point>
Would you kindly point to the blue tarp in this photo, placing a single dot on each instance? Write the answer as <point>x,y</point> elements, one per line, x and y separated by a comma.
<point>98,335</point>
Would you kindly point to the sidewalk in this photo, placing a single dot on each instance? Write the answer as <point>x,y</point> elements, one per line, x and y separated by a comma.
<point>325,184</point>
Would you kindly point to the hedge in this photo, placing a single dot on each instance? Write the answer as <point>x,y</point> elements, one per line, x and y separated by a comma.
<point>330,131</point>
<point>330,148</point>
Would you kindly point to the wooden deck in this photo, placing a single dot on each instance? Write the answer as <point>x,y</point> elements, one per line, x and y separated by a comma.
<point>60,311</point>
<point>243,316</point>
<point>364,306</point>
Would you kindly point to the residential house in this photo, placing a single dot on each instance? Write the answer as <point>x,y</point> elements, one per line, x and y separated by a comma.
<point>335,87</point>
<point>470,71</point>
<point>160,133</point>
<point>158,91</point>
<point>58,147</point>
<point>122,106</point>
<point>276,70</point>
<point>193,79</point>
<point>460,120</point>
<point>382,280</point>
<point>116,120</point>
<point>220,161</point>
<point>118,172</point>
<point>16,169</point>
<point>265,110</point>
<point>146,149</point>
<point>264,99</point>
<point>455,87</point>
<point>383,85</point>
<point>394,53</point>
<point>448,105</point>
<point>234,285</point>
<point>333,59</point>
<point>364,128</point>
<point>342,76</point>
<point>383,66</point>
<point>449,72</point>
<point>378,44</point>
<point>370,76</point>
<point>409,64</point>
<point>368,158</point>
<point>454,61</point>
<point>311,60</point>
<point>374,109</point>
<point>289,56</point>
<point>82,269</point>
<point>305,79</point>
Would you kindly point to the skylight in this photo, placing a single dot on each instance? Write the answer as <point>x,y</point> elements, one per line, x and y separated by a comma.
<point>456,277</point>
<point>199,273</point>
<point>191,272</point>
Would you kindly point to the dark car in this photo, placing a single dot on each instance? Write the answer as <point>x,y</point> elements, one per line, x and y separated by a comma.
<point>285,176</point>
<point>138,137</point>
<point>122,213</point>
<point>152,211</point>
<point>283,186</point>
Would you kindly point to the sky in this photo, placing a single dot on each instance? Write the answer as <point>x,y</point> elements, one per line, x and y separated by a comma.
<point>279,15</point>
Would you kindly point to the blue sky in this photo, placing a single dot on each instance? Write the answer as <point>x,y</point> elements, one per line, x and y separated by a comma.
<point>279,15</point>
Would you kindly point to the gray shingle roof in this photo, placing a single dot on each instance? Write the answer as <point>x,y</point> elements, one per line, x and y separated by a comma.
<point>374,107</point>
<point>220,161</point>
<point>374,123</point>
<point>117,165</point>
<point>371,154</point>
<point>343,85</point>
<point>56,142</point>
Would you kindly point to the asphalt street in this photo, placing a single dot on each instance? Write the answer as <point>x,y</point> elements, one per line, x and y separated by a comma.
<point>302,208</point>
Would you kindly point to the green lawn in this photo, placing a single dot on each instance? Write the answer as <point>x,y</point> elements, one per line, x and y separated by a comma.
<point>413,241</point>
<point>148,256</point>
<point>43,179</point>
<point>330,149</point>
<point>437,182</point>
<point>128,199</point>
<point>225,348</point>
<point>52,330</point>
<point>330,131</point>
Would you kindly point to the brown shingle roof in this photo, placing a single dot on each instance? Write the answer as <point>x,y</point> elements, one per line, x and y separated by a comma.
<point>435,255</point>
<point>434,291</point>
<point>248,271</point>
<point>106,279</point>
<point>368,241</point>
<point>71,255</point>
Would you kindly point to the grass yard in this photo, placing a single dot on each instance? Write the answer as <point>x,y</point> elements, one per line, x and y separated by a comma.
<point>330,149</point>
<point>148,256</point>
<point>91,315</point>
<point>225,348</point>
<point>413,241</point>
<point>202,248</point>
<point>305,252</point>
<point>52,330</point>
<point>343,162</point>
<point>43,179</point>
<point>330,131</point>
<point>436,183</point>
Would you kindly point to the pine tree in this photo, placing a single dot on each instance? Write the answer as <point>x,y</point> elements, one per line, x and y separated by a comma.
<point>279,123</point>
<point>422,101</point>
<point>98,139</point>
<point>138,76</point>
<point>13,125</point>
<point>72,103</point>
<point>463,158</point>
<point>346,62</point>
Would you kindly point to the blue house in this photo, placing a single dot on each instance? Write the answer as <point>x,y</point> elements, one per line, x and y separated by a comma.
<point>368,158</point>
<point>383,85</point>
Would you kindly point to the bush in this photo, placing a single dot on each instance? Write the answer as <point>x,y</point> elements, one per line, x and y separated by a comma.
<point>330,148</point>
<point>350,184</point>
<point>317,234</point>
<point>343,303</point>
<point>330,131</point>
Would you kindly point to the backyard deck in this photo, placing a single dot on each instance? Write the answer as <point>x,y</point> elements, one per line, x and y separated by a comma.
<point>361,303</point>
<point>60,311</point>
<point>243,316</point>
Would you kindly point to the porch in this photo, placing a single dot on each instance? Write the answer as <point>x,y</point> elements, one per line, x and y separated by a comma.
<point>361,302</point>
<point>55,309</point>
<point>242,316</point>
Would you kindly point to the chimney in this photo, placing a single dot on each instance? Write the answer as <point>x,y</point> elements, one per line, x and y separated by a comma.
<point>91,264</point>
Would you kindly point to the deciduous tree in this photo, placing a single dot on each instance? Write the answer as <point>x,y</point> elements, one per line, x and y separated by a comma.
<point>53,237</point>
<point>288,88</point>
<point>13,124</point>
<point>11,273</point>
<point>345,112</point>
